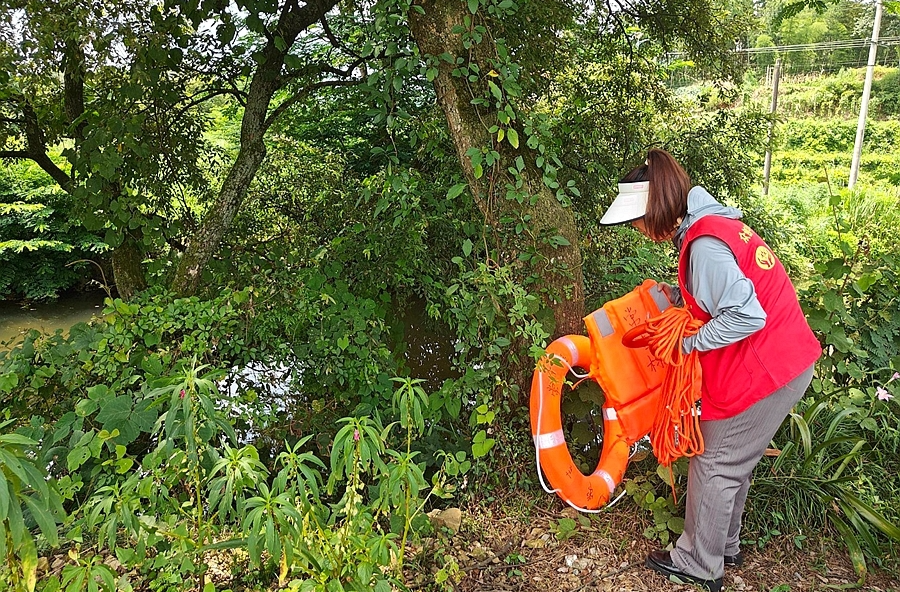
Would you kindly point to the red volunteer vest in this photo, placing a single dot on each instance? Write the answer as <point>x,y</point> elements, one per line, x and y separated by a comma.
<point>737,376</point>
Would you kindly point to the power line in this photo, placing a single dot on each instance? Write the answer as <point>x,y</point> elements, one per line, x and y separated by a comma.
<point>820,46</point>
<point>824,45</point>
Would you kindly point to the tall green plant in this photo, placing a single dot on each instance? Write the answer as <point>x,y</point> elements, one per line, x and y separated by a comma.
<point>820,478</point>
<point>846,300</point>
<point>358,542</point>
<point>28,502</point>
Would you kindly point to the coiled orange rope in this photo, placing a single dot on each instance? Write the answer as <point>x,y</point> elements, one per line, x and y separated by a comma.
<point>676,428</point>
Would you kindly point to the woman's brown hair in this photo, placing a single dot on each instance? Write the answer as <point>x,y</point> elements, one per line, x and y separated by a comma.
<point>669,187</point>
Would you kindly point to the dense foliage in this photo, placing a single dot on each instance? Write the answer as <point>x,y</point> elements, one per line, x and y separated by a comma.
<point>44,249</point>
<point>330,292</point>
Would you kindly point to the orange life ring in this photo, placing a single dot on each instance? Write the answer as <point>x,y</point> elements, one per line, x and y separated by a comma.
<point>584,492</point>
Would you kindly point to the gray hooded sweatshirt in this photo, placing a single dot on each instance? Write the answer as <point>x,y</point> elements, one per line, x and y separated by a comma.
<point>716,282</point>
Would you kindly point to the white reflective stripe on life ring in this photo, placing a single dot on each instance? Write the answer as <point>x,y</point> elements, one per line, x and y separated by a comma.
<point>573,349</point>
<point>610,482</point>
<point>551,440</point>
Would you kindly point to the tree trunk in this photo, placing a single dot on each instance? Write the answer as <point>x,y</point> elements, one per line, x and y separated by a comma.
<point>205,242</point>
<point>563,291</point>
<point>267,80</point>
<point>128,272</point>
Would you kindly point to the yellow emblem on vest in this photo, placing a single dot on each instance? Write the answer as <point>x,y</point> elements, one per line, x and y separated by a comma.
<point>765,258</point>
<point>745,234</point>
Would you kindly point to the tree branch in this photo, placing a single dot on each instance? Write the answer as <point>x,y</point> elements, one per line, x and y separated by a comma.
<point>238,94</point>
<point>210,94</point>
<point>335,42</point>
<point>302,94</point>
<point>37,147</point>
<point>14,154</point>
<point>321,69</point>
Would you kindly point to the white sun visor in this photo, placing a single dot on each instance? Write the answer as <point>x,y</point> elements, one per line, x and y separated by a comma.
<point>630,204</point>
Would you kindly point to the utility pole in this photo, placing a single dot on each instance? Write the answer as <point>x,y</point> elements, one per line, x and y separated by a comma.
<point>864,104</point>
<point>776,77</point>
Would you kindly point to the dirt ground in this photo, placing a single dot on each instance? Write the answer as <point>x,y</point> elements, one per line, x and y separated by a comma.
<point>514,545</point>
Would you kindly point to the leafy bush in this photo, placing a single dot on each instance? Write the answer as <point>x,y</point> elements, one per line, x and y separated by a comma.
<point>195,490</point>
<point>886,94</point>
<point>129,344</point>
<point>653,490</point>
<point>822,477</point>
<point>836,95</point>
<point>43,246</point>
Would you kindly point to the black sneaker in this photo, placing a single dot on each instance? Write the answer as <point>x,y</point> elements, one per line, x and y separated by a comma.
<point>661,562</point>
<point>734,560</point>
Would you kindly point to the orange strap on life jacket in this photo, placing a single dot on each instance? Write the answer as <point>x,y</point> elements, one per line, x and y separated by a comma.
<point>676,428</point>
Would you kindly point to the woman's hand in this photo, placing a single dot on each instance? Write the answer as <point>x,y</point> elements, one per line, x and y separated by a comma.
<point>673,293</point>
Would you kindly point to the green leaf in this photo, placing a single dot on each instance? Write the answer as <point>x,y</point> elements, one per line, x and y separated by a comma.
<point>123,465</point>
<point>860,526</point>
<point>254,23</point>
<point>805,435</point>
<point>44,519</point>
<point>869,424</point>
<point>8,382</point>
<point>875,518</point>
<point>77,457</point>
<point>676,524</point>
<point>856,555</point>
<point>467,247</point>
<point>665,474</point>
<point>36,479</point>
<point>833,301</point>
<point>495,90</point>
<point>226,544</point>
<point>17,440</point>
<point>566,525</point>
<point>840,340</point>
<point>13,464</point>
<point>115,411</point>
<point>6,497</point>
<point>481,444</point>
<point>473,6</point>
<point>86,407</point>
<point>100,392</point>
<point>29,561</point>
<point>513,136</point>
<point>456,190</point>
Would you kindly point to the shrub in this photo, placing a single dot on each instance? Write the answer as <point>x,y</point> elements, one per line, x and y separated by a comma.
<point>886,94</point>
<point>43,247</point>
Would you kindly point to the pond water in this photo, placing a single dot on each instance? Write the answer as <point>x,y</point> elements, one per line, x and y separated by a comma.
<point>47,317</point>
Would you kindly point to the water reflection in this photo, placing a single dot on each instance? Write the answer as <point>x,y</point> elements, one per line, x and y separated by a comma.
<point>428,346</point>
<point>46,317</point>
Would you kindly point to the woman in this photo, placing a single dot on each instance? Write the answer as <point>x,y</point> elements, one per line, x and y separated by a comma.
<point>756,351</point>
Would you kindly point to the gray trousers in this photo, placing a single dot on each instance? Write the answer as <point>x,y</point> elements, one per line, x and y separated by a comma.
<point>718,480</point>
